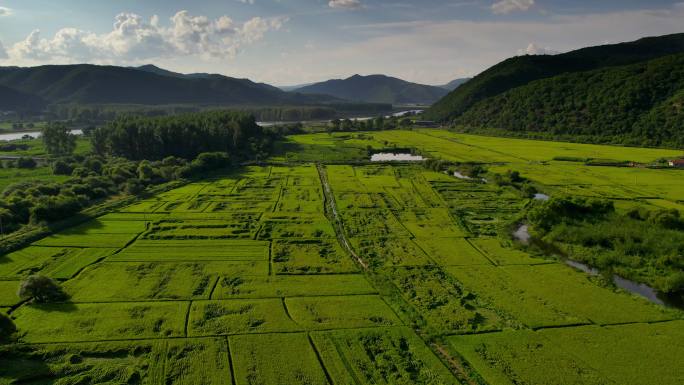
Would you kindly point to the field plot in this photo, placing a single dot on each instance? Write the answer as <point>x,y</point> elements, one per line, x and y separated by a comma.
<point>524,357</point>
<point>96,233</point>
<point>444,304</point>
<point>188,361</point>
<point>301,199</point>
<point>8,293</point>
<point>500,255</point>
<point>240,316</point>
<point>310,257</point>
<point>380,356</point>
<point>241,286</point>
<point>391,252</point>
<point>536,150</point>
<point>295,225</point>
<point>479,208</point>
<point>555,296</point>
<point>430,223</point>
<point>193,250</point>
<point>277,359</point>
<point>344,312</point>
<point>452,252</point>
<point>236,226</point>
<point>121,281</point>
<point>372,223</point>
<point>100,321</point>
<point>28,261</point>
<point>627,354</point>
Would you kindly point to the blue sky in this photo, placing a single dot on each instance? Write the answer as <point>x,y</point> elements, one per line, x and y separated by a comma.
<point>287,42</point>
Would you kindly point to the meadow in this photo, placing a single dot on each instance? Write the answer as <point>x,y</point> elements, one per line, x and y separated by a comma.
<point>342,272</point>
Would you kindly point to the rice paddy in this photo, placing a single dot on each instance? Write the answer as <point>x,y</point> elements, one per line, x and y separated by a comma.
<point>346,273</point>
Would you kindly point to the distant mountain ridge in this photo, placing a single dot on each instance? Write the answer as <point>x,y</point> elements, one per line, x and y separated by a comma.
<point>452,85</point>
<point>92,84</point>
<point>521,70</point>
<point>376,89</point>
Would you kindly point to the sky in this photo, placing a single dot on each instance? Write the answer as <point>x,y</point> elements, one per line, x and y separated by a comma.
<point>288,42</point>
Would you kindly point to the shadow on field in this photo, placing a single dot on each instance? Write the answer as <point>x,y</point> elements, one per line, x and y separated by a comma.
<point>24,364</point>
<point>64,307</point>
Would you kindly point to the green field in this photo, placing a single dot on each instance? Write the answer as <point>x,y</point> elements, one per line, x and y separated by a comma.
<point>351,273</point>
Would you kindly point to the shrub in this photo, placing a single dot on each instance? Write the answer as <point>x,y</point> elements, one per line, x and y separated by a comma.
<point>41,289</point>
<point>61,167</point>
<point>29,163</point>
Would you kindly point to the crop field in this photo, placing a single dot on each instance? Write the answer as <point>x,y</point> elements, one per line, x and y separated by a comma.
<point>352,273</point>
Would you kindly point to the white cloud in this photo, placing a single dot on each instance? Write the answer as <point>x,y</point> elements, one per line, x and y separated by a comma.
<point>534,49</point>
<point>508,6</point>
<point>246,1</point>
<point>4,11</point>
<point>3,52</point>
<point>345,4</point>
<point>134,39</point>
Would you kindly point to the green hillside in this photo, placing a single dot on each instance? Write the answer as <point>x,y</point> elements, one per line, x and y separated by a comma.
<point>377,89</point>
<point>639,104</point>
<point>519,71</point>
<point>13,100</point>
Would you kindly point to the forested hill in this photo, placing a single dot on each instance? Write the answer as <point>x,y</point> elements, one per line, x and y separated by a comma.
<point>377,89</point>
<point>519,71</point>
<point>91,84</point>
<point>13,100</point>
<point>638,104</point>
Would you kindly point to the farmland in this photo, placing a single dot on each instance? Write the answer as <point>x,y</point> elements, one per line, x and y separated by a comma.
<point>330,270</point>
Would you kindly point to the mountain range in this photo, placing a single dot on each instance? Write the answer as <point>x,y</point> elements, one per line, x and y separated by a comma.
<point>33,88</point>
<point>148,85</point>
<point>377,89</point>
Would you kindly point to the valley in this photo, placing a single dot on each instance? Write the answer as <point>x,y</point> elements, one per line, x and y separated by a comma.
<point>320,267</point>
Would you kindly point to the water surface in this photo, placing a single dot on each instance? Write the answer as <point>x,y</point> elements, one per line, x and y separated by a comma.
<point>390,157</point>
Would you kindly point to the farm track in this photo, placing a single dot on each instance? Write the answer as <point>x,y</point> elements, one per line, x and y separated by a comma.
<point>331,212</point>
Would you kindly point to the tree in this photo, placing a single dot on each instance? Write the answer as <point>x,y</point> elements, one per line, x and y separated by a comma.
<point>58,140</point>
<point>41,289</point>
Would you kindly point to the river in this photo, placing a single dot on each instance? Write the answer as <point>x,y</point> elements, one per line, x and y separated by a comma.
<point>35,134</point>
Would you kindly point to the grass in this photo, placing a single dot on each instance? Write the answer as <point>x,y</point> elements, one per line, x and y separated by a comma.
<point>8,293</point>
<point>343,312</point>
<point>245,275</point>
<point>452,252</point>
<point>10,176</point>
<point>391,252</point>
<point>310,257</point>
<point>151,280</point>
<point>500,255</point>
<point>189,361</point>
<point>239,316</point>
<point>277,359</point>
<point>240,286</point>
<point>391,356</point>
<point>446,306</point>
<point>577,355</point>
<point>193,250</point>
<point>100,321</point>
<point>556,296</point>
